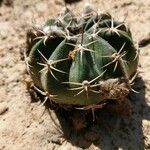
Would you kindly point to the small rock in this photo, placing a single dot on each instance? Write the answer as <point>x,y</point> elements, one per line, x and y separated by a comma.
<point>146,123</point>
<point>145,41</point>
<point>71,1</point>
<point>127,4</point>
<point>3,108</point>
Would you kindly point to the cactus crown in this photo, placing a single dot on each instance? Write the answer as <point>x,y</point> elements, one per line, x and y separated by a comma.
<point>82,61</point>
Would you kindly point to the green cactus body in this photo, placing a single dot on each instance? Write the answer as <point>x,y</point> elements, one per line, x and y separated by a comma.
<point>36,58</point>
<point>77,57</point>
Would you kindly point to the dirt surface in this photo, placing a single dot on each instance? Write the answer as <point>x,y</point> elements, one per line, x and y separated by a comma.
<point>24,122</point>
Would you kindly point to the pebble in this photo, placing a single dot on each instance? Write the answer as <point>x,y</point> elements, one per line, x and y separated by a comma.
<point>3,108</point>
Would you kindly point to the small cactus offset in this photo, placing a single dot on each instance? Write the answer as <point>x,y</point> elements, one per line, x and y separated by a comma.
<point>82,61</point>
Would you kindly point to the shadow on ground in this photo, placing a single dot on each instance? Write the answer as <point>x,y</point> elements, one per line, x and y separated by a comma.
<point>109,131</point>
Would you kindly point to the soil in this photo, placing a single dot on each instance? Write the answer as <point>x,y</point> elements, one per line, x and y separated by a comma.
<point>26,124</point>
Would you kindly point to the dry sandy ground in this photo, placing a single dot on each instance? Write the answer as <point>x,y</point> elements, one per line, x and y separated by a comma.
<point>24,125</point>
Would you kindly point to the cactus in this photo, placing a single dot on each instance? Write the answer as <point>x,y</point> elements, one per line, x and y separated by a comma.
<point>84,62</point>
